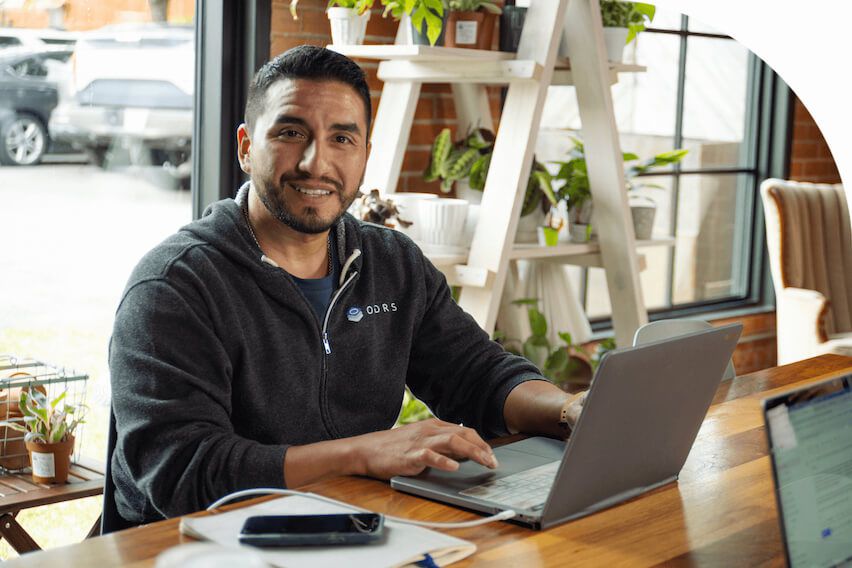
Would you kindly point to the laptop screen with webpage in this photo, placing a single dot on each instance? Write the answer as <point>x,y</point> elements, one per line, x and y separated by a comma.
<point>810,441</point>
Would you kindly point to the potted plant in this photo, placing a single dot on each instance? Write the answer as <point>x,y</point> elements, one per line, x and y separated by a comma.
<point>428,19</point>
<point>470,23</point>
<point>576,191</point>
<point>49,426</point>
<point>643,209</point>
<point>568,365</point>
<point>622,21</point>
<point>348,19</point>
<point>464,165</point>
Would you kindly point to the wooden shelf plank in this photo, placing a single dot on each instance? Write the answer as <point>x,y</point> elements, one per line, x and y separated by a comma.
<point>533,251</point>
<point>422,53</point>
<point>581,254</point>
<point>460,71</point>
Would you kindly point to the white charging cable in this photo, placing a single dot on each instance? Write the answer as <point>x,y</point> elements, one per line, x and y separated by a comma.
<point>501,516</point>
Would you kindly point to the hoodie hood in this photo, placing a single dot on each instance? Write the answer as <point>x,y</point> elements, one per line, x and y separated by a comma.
<point>224,226</point>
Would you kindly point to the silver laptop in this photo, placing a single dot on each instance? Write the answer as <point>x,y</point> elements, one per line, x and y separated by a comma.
<point>640,418</point>
<point>810,444</point>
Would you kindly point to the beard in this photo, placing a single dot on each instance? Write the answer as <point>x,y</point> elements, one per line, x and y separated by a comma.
<point>308,221</point>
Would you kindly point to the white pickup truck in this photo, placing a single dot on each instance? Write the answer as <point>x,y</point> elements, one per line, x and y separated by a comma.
<point>132,97</point>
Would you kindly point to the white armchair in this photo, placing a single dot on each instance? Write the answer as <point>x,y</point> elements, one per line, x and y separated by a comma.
<point>810,255</point>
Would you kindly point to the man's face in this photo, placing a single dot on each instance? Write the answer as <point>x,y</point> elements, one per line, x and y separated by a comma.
<point>307,152</point>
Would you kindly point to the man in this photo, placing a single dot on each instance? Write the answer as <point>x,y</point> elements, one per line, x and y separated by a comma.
<point>269,343</point>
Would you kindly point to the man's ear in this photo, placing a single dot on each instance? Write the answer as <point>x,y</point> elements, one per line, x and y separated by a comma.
<point>244,148</point>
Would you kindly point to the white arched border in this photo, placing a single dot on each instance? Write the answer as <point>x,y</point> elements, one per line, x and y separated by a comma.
<point>808,44</point>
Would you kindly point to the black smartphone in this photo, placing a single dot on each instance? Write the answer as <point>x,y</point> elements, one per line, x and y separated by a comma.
<point>311,530</point>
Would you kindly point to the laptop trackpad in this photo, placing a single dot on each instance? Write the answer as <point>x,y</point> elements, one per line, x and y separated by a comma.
<point>513,458</point>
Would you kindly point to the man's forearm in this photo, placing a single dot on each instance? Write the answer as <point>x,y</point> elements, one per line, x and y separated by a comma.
<point>321,460</point>
<point>533,407</point>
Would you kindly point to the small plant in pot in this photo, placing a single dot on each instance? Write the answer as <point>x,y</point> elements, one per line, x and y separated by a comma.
<point>622,21</point>
<point>643,209</point>
<point>576,192</point>
<point>348,19</point>
<point>575,189</point>
<point>428,18</point>
<point>471,23</point>
<point>49,426</point>
<point>464,164</point>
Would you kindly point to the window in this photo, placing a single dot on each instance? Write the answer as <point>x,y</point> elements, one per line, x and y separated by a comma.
<point>96,160</point>
<point>704,92</point>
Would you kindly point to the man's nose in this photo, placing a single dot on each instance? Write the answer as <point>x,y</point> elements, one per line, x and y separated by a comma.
<point>315,159</point>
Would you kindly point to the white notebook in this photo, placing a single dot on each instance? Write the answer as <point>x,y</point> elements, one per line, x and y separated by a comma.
<point>403,544</point>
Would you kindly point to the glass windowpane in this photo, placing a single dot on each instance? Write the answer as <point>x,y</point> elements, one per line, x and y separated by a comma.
<point>712,238</point>
<point>714,111</point>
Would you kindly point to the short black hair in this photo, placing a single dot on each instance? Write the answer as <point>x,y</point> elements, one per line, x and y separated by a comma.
<point>306,62</point>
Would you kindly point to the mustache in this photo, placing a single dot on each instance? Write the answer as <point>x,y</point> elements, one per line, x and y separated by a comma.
<point>295,178</point>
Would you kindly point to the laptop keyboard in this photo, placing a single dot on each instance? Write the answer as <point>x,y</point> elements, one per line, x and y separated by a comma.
<point>525,490</point>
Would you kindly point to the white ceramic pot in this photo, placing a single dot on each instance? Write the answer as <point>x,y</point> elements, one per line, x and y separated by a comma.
<point>470,223</point>
<point>407,204</point>
<point>442,221</point>
<point>347,27</point>
<point>615,40</point>
<point>464,191</point>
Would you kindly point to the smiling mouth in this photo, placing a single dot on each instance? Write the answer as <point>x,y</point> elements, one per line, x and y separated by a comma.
<point>311,192</point>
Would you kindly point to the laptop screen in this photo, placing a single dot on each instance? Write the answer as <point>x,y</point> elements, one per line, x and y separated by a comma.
<point>810,436</point>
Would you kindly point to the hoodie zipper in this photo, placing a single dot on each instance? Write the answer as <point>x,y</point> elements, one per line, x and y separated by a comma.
<point>324,410</point>
<point>325,342</point>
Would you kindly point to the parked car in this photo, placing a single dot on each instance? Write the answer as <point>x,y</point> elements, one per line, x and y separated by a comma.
<point>36,38</point>
<point>132,97</point>
<point>28,95</point>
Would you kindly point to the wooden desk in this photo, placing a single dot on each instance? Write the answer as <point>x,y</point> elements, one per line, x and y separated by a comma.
<point>18,491</point>
<point>721,513</point>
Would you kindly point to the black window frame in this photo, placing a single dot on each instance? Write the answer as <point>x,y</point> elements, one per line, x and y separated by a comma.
<point>232,41</point>
<point>769,120</point>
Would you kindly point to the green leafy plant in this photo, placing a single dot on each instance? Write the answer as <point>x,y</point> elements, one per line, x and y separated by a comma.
<point>430,11</point>
<point>605,346</point>
<point>46,421</point>
<point>453,161</point>
<point>413,410</point>
<point>470,159</point>
<point>573,174</point>
<point>359,6</point>
<point>631,15</point>
<point>561,363</point>
<point>474,5</point>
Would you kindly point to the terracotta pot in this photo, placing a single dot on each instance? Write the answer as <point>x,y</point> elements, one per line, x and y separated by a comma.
<point>51,462</point>
<point>474,30</point>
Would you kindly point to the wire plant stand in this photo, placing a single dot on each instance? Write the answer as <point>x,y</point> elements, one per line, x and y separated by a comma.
<point>23,375</point>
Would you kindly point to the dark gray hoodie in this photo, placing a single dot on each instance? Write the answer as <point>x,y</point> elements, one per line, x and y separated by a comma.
<point>218,362</point>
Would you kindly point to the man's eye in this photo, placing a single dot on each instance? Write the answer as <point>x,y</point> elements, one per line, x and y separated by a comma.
<point>291,134</point>
<point>343,139</point>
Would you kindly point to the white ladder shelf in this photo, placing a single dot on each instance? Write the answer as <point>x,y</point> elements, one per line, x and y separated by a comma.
<point>527,74</point>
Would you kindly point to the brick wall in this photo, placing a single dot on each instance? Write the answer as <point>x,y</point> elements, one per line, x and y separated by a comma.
<point>810,158</point>
<point>435,109</point>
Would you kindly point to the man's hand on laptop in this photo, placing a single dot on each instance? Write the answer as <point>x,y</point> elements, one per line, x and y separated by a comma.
<point>410,449</point>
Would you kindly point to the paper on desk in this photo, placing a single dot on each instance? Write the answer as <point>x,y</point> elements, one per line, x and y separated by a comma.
<point>402,545</point>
